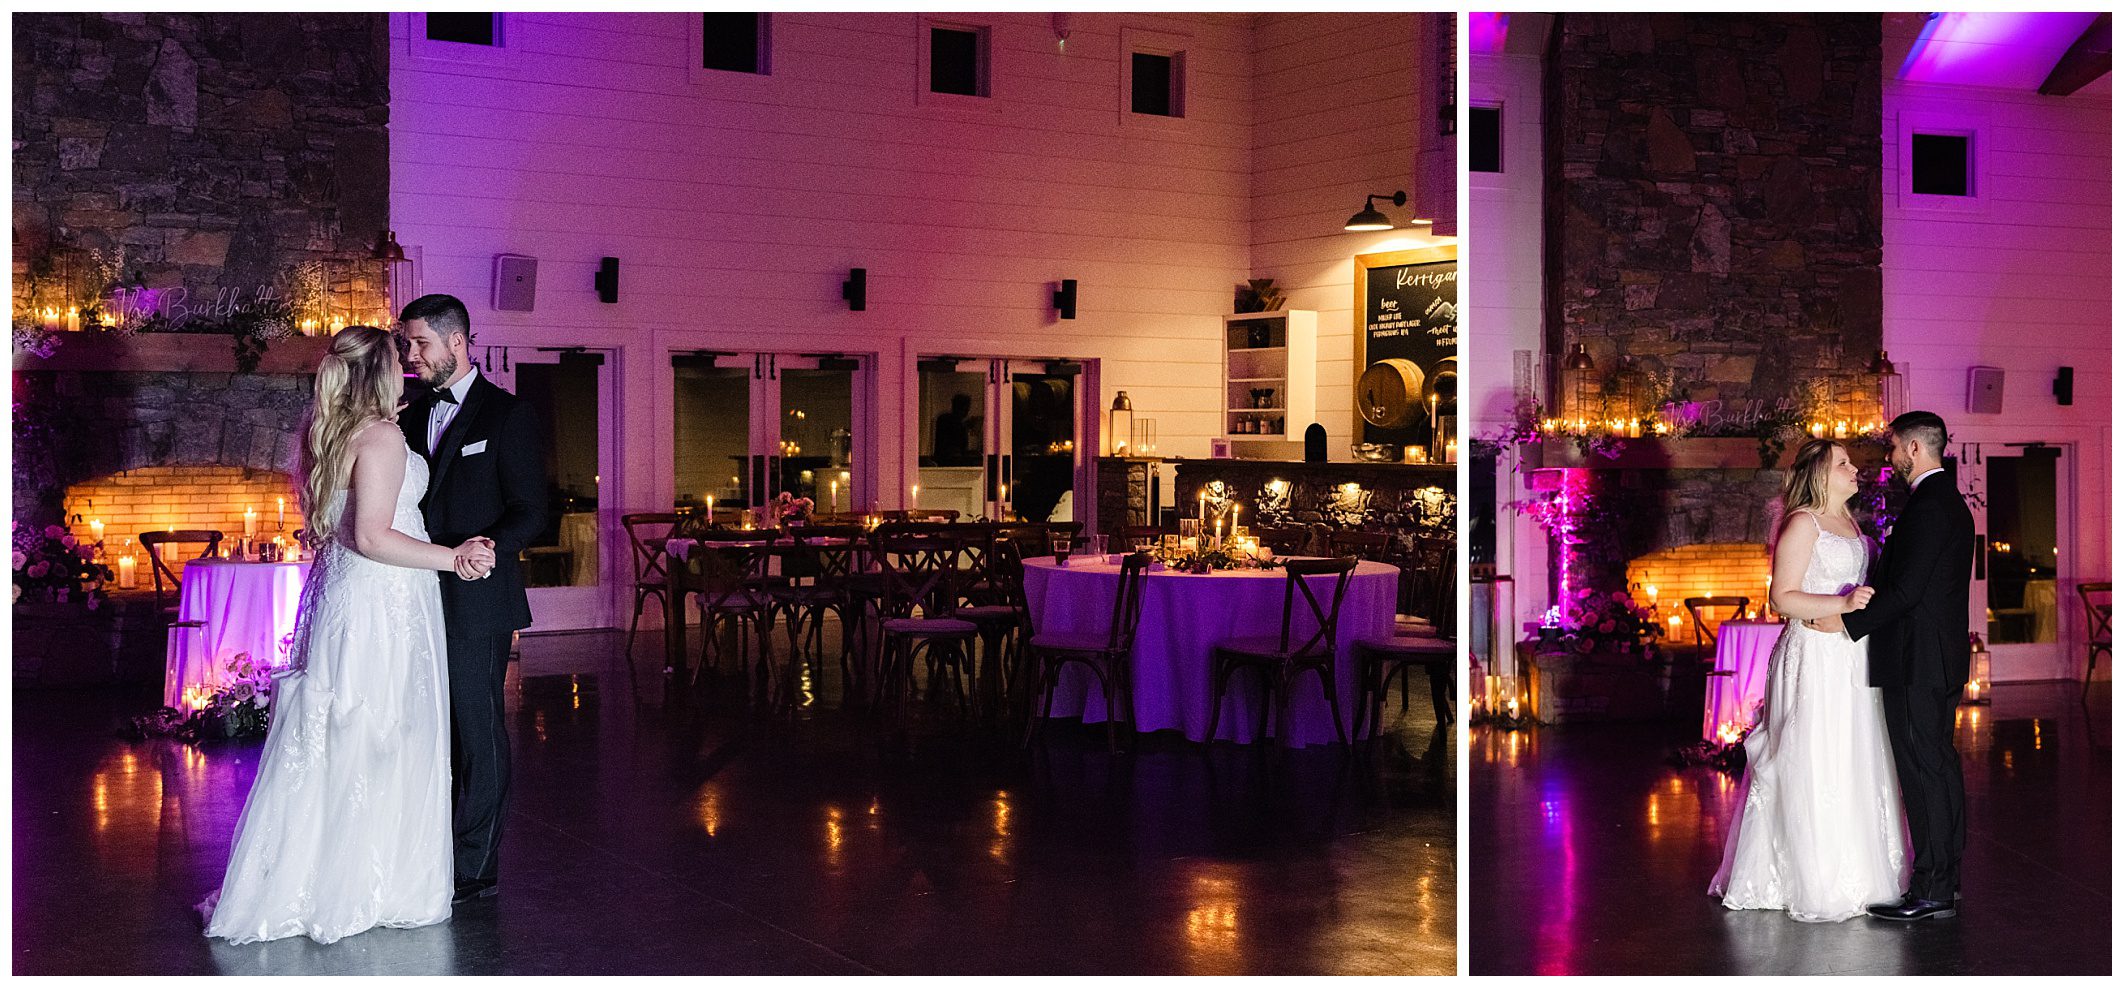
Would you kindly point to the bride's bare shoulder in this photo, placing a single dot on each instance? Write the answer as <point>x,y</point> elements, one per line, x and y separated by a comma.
<point>379,436</point>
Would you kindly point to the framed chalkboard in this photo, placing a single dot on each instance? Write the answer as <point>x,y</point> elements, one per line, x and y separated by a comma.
<point>1408,341</point>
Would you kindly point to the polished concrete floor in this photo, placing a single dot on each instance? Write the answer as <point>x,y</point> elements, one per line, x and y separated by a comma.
<point>1589,853</point>
<point>676,831</point>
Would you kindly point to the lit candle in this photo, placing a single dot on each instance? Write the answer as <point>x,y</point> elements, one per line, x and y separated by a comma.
<point>914,496</point>
<point>250,523</point>
<point>73,319</point>
<point>1637,429</point>
<point>128,572</point>
<point>96,529</point>
<point>1202,505</point>
<point>711,509</point>
<point>1452,451</point>
<point>1674,628</point>
<point>1816,430</point>
<point>1843,429</point>
<point>833,495</point>
<point>282,521</point>
<point>1652,593</point>
<point>1512,708</point>
<point>51,318</point>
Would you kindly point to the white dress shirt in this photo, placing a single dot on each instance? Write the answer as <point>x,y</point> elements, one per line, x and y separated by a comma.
<point>440,416</point>
<point>1921,477</point>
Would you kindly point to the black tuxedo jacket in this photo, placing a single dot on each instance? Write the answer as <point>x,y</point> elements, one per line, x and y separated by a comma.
<point>497,488</point>
<point>1916,628</point>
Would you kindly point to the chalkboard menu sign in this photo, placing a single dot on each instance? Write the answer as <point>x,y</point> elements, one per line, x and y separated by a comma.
<point>1408,337</point>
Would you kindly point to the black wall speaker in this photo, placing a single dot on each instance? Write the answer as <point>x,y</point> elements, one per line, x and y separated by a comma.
<point>856,289</point>
<point>608,280</point>
<point>2062,387</point>
<point>1066,299</point>
<point>1315,443</point>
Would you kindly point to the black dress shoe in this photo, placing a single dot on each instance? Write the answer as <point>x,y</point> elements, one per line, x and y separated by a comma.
<point>475,889</point>
<point>1912,909</point>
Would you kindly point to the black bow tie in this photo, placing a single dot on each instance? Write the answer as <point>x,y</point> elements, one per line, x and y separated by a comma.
<point>445,394</point>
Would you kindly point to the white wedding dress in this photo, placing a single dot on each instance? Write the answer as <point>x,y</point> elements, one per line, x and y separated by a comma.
<point>348,823</point>
<point>1820,834</point>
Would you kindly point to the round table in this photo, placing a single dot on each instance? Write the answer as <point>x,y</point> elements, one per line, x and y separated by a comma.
<point>1184,616</point>
<point>242,607</point>
<point>1739,674</point>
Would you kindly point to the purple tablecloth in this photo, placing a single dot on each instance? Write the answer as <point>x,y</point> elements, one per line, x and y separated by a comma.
<point>1741,668</point>
<point>247,607</point>
<point>1184,616</point>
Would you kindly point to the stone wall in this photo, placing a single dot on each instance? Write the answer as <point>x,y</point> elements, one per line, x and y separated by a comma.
<point>213,153</point>
<point>1713,203</point>
<point>74,426</point>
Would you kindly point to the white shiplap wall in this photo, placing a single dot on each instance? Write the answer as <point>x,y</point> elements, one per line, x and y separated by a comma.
<point>1336,117</point>
<point>2021,281</point>
<point>738,203</point>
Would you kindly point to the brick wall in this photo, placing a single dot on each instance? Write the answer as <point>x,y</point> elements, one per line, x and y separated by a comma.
<point>1731,569</point>
<point>158,498</point>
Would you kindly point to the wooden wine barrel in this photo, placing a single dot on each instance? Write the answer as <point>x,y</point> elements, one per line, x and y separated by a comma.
<point>1390,394</point>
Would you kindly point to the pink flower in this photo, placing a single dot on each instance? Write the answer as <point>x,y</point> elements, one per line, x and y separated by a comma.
<point>1585,645</point>
<point>38,569</point>
<point>53,531</point>
<point>20,559</point>
<point>68,540</point>
<point>1607,627</point>
<point>1619,597</point>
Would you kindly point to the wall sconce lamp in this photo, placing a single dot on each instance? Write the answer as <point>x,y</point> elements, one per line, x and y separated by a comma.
<point>1370,219</point>
<point>1066,299</point>
<point>1579,360</point>
<point>855,289</point>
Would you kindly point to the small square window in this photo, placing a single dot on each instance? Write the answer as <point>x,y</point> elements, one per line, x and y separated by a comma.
<point>1485,154</point>
<point>733,42</point>
<point>1153,85</point>
<point>1939,164</point>
<point>956,62</point>
<point>463,29</point>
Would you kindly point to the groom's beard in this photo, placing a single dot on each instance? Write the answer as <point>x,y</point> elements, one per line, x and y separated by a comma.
<point>440,374</point>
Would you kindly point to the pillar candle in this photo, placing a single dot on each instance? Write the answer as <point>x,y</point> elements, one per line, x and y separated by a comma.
<point>1452,451</point>
<point>128,572</point>
<point>96,529</point>
<point>73,319</point>
<point>250,523</point>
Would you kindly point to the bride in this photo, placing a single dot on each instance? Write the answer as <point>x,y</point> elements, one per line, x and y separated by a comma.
<point>1820,834</point>
<point>347,826</point>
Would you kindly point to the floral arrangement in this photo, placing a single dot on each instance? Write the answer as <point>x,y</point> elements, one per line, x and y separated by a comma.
<point>241,707</point>
<point>1590,617</point>
<point>791,510</point>
<point>53,563</point>
<point>1230,555</point>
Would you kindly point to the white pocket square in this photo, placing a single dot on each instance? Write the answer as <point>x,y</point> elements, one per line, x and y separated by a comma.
<point>471,448</point>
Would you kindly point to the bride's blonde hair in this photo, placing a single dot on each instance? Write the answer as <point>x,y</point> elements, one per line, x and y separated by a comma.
<point>1807,485</point>
<point>358,384</point>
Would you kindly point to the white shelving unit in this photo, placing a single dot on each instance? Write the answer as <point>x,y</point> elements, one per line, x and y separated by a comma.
<point>1276,352</point>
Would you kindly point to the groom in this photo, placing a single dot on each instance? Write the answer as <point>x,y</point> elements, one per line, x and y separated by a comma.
<point>1917,635</point>
<point>486,477</point>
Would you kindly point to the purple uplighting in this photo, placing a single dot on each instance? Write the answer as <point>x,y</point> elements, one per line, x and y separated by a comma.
<point>2005,50</point>
<point>1486,32</point>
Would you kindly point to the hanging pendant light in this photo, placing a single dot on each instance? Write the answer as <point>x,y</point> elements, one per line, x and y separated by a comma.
<point>1370,219</point>
<point>387,249</point>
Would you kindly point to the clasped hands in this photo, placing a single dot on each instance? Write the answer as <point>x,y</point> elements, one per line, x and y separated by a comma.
<point>475,558</point>
<point>1857,599</point>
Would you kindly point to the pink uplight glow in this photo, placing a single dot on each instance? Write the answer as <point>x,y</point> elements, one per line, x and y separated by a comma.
<point>1486,32</point>
<point>2002,49</point>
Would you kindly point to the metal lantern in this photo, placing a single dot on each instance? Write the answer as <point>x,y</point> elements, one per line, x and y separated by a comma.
<point>1121,424</point>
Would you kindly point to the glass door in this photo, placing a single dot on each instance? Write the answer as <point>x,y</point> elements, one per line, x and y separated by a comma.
<point>566,568</point>
<point>998,438</point>
<point>749,426</point>
<point>2015,494</point>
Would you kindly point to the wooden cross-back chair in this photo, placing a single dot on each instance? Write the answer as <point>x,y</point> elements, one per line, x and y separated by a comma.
<point>168,602</point>
<point>647,532</point>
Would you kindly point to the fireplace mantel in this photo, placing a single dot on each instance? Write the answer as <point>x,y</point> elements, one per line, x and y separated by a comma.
<point>1722,453</point>
<point>196,353</point>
